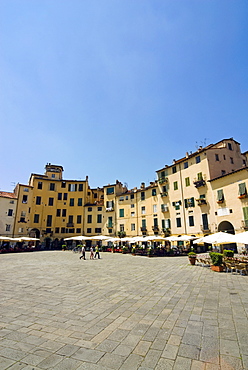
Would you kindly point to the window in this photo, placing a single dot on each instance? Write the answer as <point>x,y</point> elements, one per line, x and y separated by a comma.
<point>78,231</point>
<point>175,185</point>
<point>36,218</point>
<point>205,221</point>
<point>242,189</point>
<point>63,184</point>
<point>126,197</point>
<point>79,219</point>
<point>121,227</point>
<point>72,187</point>
<point>217,157</point>
<point>132,205</point>
<point>38,200</point>
<point>121,199</point>
<point>56,230</point>
<point>174,169</point>
<point>223,172</point>
<point>99,209</point>
<point>98,230</point>
<point>59,196</point>
<point>80,187</point>
<point>65,196</point>
<point>229,145</point>
<point>142,195</point>
<point>7,227</point>
<point>197,159</point>
<point>132,214</point>
<point>121,212</point>
<point>143,223</point>
<point>53,175</point>
<point>39,186</point>
<point>71,202</point>
<point>143,210</point>
<point>52,186</point>
<point>165,188</point>
<point>132,196</point>
<point>10,212</point>
<point>89,230</point>
<point>20,230</point>
<point>95,195</point>
<point>89,209</point>
<point>24,199</point>
<point>63,212</point>
<point>50,201</point>
<point>186,165</point>
<point>110,222</point>
<point>155,222</point>
<point>132,227</point>
<point>154,208</point>
<point>231,160</point>
<point>224,157</point>
<point>70,220</point>
<point>220,195</point>
<point>187,181</point>
<point>154,192</point>
<point>23,214</point>
<point>71,231</point>
<point>191,220</point>
<point>12,202</point>
<point>245,212</point>
<point>189,202</point>
<point>99,219</point>
<point>199,176</point>
<point>167,223</point>
<point>110,191</point>
<point>49,220</point>
<point>110,204</point>
<point>62,230</point>
<point>80,202</point>
<point>89,219</point>
<point>26,189</point>
<point>58,212</point>
<point>178,222</point>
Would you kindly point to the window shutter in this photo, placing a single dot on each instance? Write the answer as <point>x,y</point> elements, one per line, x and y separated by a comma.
<point>186,203</point>
<point>242,189</point>
<point>245,211</point>
<point>220,195</point>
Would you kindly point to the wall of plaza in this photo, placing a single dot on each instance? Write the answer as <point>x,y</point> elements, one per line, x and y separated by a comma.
<point>186,198</point>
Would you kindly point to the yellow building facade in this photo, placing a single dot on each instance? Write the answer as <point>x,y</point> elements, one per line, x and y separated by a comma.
<point>185,199</point>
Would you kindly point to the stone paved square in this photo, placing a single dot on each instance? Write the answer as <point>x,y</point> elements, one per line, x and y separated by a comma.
<point>120,312</point>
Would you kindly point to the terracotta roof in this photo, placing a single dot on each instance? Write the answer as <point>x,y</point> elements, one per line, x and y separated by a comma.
<point>5,194</point>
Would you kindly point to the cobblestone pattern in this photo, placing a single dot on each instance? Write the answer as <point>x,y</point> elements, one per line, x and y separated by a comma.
<point>120,312</point>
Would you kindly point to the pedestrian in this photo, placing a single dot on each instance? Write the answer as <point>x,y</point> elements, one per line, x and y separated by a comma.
<point>83,253</point>
<point>91,253</point>
<point>97,252</point>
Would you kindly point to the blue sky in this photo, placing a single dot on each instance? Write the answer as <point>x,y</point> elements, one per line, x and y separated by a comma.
<point>116,89</point>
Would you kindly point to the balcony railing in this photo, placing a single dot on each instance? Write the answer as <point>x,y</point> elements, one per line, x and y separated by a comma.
<point>109,226</point>
<point>155,228</point>
<point>164,194</point>
<point>205,229</point>
<point>242,196</point>
<point>143,228</point>
<point>199,183</point>
<point>70,224</point>
<point>163,180</point>
<point>201,202</point>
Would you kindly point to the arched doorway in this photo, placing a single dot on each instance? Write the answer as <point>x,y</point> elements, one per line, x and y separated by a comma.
<point>226,226</point>
<point>34,233</point>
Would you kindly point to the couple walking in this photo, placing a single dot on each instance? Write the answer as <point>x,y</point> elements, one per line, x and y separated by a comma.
<point>97,254</point>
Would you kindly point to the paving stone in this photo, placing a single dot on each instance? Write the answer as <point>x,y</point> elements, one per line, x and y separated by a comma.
<point>88,355</point>
<point>165,364</point>
<point>170,351</point>
<point>50,362</point>
<point>229,347</point>
<point>111,361</point>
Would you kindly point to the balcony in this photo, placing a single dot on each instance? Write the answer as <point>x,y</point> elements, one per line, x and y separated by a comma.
<point>199,183</point>
<point>220,201</point>
<point>155,228</point>
<point>143,228</point>
<point>109,226</point>
<point>70,224</point>
<point>205,229</point>
<point>163,180</point>
<point>109,209</point>
<point>201,201</point>
<point>164,194</point>
<point>164,208</point>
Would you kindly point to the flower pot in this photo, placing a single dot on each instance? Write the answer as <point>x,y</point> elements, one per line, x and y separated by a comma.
<point>217,268</point>
<point>192,260</point>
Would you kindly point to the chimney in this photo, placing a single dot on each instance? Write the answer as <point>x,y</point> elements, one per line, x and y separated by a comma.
<point>187,155</point>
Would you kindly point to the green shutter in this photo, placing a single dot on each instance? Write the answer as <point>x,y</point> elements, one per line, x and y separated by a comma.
<point>192,200</point>
<point>186,203</point>
<point>242,189</point>
<point>245,211</point>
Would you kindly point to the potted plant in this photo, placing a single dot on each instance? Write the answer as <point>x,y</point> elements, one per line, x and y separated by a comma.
<point>228,253</point>
<point>133,250</point>
<point>125,250</point>
<point>192,257</point>
<point>217,261</point>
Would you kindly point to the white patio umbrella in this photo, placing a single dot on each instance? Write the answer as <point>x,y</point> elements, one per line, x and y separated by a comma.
<point>7,238</point>
<point>172,238</point>
<point>27,239</point>
<point>79,237</point>
<point>186,238</point>
<point>217,238</point>
<point>99,237</point>
<point>154,238</point>
<point>114,240</point>
<point>241,238</point>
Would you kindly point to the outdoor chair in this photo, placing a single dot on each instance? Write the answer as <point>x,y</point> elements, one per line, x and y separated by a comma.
<point>241,268</point>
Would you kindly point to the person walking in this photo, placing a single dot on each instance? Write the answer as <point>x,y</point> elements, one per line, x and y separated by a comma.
<point>83,253</point>
<point>97,252</point>
<point>91,253</point>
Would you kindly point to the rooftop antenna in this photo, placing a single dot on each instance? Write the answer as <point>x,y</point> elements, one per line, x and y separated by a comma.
<point>13,184</point>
